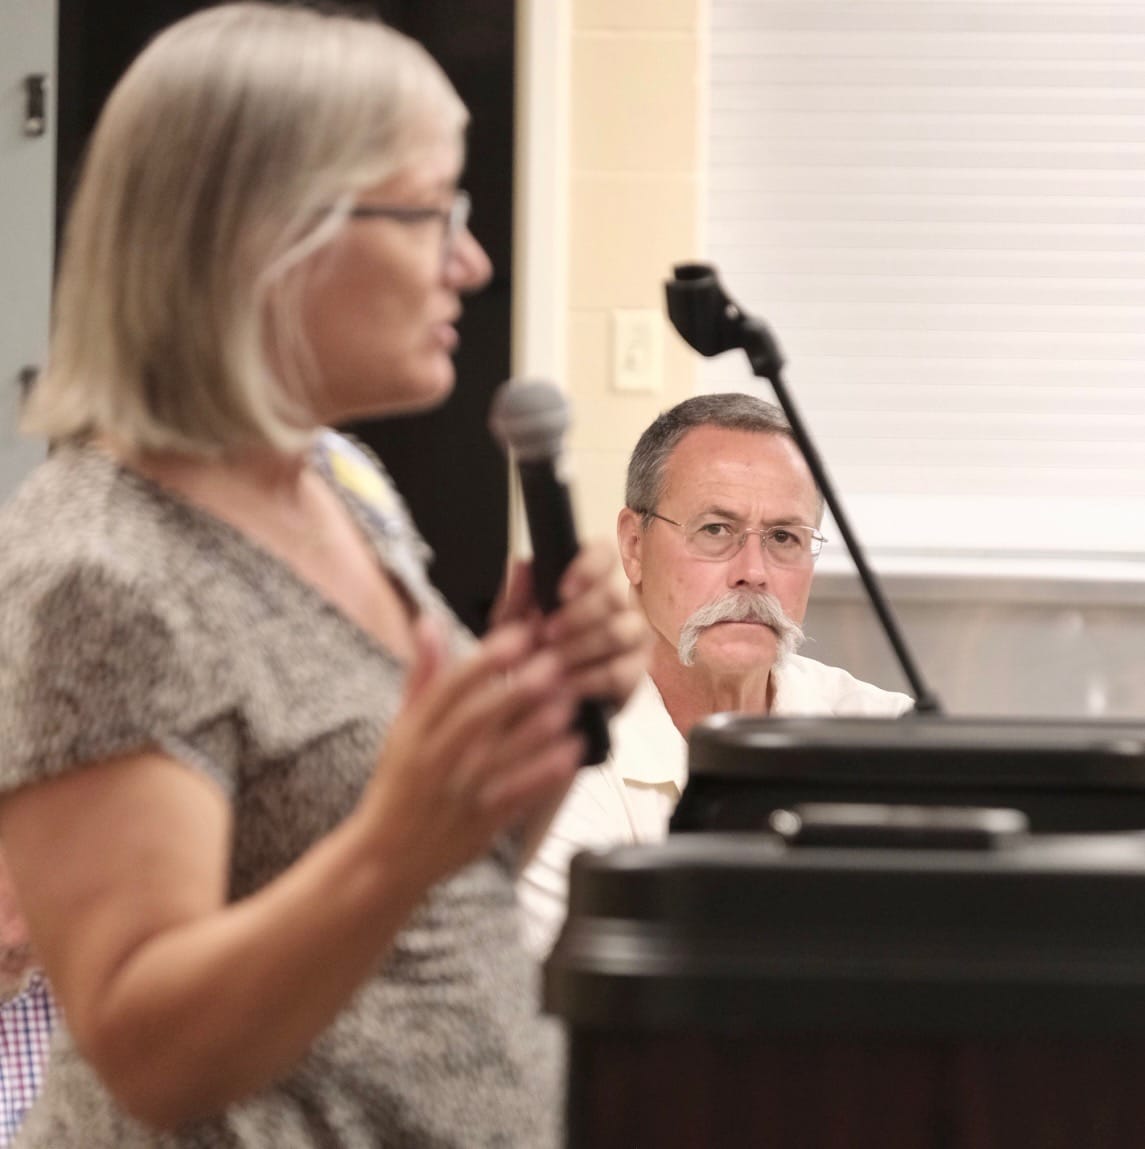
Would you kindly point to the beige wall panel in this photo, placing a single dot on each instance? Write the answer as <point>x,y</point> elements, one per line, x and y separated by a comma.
<point>623,15</point>
<point>598,490</point>
<point>635,106</point>
<point>608,419</point>
<point>625,234</point>
<point>635,172</point>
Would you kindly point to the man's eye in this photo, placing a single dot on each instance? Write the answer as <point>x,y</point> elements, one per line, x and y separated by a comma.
<point>715,530</point>
<point>791,540</point>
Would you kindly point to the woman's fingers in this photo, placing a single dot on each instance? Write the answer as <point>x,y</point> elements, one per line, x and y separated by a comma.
<point>510,795</point>
<point>594,562</point>
<point>591,594</point>
<point>613,680</point>
<point>486,741</point>
<point>602,639</point>
<point>615,635</point>
<point>503,714</point>
<point>599,601</point>
<point>482,716</point>
<point>503,649</point>
<point>527,731</point>
<point>443,701</point>
<point>429,655</point>
<point>516,601</point>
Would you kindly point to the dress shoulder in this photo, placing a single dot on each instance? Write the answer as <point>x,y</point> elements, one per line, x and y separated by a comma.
<point>97,649</point>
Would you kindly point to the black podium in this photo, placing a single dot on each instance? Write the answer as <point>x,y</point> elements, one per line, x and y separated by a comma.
<point>1064,776</point>
<point>728,990</point>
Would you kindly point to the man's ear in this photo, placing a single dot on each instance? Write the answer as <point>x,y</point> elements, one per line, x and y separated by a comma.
<point>630,540</point>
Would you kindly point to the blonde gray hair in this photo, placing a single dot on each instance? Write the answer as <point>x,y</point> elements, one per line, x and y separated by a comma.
<point>229,152</point>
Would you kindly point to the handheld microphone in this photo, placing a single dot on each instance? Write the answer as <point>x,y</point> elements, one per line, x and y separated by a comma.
<point>530,417</point>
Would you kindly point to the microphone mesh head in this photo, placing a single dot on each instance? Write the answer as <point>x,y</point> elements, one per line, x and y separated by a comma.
<point>531,416</point>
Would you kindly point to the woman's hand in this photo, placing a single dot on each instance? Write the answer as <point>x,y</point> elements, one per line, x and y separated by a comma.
<point>483,745</point>
<point>475,746</point>
<point>600,638</point>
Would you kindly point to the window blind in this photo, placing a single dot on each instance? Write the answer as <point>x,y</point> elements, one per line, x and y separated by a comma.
<point>939,208</point>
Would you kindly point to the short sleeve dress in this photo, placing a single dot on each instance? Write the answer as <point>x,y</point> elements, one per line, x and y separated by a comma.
<point>130,618</point>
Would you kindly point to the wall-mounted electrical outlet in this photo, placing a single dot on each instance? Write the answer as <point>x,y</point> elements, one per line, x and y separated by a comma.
<point>637,350</point>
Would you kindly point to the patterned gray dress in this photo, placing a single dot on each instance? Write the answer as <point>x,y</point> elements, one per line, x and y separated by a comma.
<point>129,618</point>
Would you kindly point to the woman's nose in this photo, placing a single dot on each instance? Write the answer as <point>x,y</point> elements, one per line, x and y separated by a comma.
<point>468,268</point>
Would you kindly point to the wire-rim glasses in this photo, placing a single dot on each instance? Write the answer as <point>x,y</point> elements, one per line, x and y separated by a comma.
<point>455,218</point>
<point>714,539</point>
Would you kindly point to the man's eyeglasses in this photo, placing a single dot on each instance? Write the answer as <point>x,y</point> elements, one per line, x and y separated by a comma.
<point>713,539</point>
<point>454,219</point>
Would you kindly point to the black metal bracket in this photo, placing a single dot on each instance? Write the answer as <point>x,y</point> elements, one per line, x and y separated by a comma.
<point>25,379</point>
<point>35,105</point>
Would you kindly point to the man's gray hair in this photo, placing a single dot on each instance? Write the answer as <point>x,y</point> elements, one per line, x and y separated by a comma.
<point>733,411</point>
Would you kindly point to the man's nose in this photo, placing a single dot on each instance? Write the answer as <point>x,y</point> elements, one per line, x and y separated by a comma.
<point>748,567</point>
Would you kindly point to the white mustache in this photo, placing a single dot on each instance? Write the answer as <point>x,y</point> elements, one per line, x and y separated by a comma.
<point>741,606</point>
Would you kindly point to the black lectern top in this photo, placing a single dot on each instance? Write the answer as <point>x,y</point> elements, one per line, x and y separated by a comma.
<point>745,934</point>
<point>1066,776</point>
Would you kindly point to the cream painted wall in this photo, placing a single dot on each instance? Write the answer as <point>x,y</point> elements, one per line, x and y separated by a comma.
<point>635,164</point>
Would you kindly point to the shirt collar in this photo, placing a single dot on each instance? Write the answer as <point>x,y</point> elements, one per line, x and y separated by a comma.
<point>646,747</point>
<point>796,694</point>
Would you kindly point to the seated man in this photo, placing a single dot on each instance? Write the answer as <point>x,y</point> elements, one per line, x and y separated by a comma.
<point>718,540</point>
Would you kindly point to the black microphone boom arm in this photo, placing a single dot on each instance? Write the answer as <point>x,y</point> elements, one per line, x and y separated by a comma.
<point>712,323</point>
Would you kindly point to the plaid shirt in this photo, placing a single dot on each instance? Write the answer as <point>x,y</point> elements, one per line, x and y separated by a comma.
<point>26,1023</point>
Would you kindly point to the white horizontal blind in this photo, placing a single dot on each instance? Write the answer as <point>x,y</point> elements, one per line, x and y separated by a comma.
<point>939,208</point>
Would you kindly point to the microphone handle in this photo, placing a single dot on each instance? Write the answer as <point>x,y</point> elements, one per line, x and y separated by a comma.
<point>548,508</point>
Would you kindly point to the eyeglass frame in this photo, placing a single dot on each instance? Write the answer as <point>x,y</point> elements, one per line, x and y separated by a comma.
<point>766,534</point>
<point>455,218</point>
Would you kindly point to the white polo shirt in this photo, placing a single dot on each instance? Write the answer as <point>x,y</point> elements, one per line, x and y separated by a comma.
<point>630,797</point>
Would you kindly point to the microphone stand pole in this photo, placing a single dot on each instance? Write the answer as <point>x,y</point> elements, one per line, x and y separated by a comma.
<point>710,322</point>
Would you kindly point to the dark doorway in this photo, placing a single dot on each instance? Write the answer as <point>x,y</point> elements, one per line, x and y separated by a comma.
<point>449,471</point>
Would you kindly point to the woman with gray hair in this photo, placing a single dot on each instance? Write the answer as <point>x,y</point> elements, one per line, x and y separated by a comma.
<point>263,797</point>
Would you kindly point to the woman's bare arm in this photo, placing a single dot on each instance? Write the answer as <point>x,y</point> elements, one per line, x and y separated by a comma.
<point>184,1003</point>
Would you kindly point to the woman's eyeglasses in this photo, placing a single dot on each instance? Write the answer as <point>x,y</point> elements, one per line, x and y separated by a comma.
<point>454,219</point>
